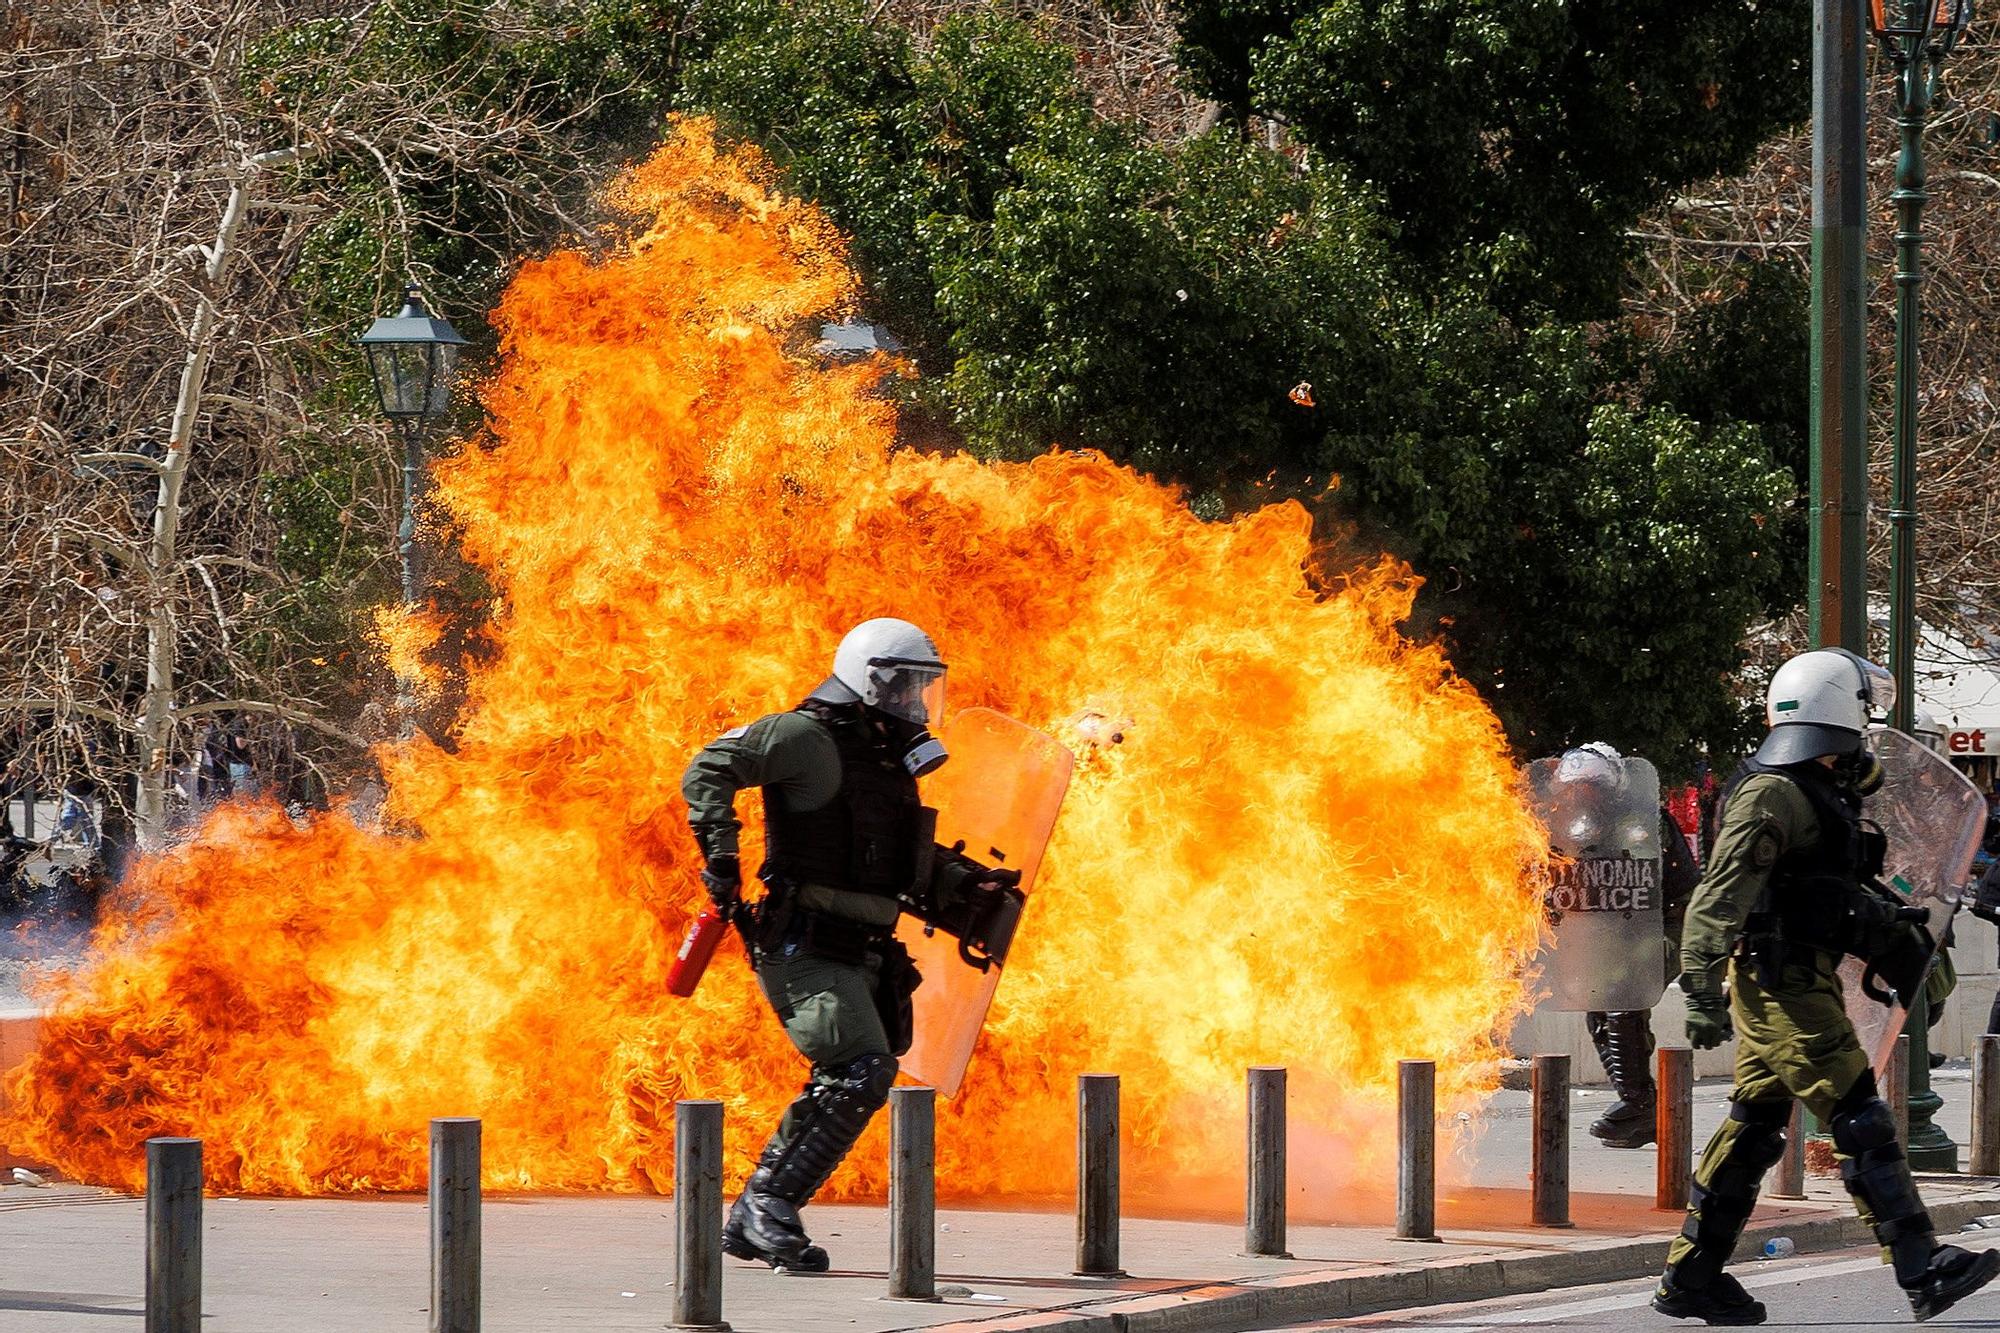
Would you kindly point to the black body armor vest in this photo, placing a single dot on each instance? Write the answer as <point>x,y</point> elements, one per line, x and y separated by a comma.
<point>1813,890</point>
<point>867,838</point>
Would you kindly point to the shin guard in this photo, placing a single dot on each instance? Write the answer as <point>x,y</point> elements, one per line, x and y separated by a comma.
<point>1749,1143</point>
<point>1876,1172</point>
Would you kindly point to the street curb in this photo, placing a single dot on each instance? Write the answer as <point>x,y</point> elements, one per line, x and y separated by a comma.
<point>1298,1297</point>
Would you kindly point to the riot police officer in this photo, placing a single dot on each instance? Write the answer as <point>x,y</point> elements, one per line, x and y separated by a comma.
<point>1784,897</point>
<point>845,839</point>
<point>1624,1038</point>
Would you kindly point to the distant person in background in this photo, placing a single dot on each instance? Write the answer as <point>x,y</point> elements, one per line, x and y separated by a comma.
<point>225,765</point>
<point>76,824</point>
<point>14,850</point>
<point>1986,900</point>
<point>1624,1039</point>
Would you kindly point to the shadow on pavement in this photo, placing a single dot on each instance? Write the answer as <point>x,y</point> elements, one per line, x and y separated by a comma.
<point>62,1302</point>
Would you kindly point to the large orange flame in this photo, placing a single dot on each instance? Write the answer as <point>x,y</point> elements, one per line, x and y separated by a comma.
<point>1308,849</point>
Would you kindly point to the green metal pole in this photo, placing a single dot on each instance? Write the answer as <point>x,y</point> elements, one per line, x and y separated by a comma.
<point>1917,64</point>
<point>1837,580</point>
<point>1916,72</point>
<point>1931,1149</point>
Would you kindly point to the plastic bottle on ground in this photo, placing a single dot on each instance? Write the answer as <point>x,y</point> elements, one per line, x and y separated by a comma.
<point>1780,1247</point>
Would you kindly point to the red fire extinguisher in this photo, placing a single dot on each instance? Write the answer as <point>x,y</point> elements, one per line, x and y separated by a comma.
<point>704,933</point>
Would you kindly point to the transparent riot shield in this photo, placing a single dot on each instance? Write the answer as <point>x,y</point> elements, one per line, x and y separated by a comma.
<point>1932,818</point>
<point>999,794</point>
<point>1608,948</point>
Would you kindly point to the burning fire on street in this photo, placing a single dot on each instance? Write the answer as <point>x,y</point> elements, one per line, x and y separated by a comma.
<point>1307,848</point>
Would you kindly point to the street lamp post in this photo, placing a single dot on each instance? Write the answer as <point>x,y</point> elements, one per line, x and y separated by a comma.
<point>410,356</point>
<point>1917,35</point>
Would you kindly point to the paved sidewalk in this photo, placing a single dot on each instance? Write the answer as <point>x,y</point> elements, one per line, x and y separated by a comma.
<point>73,1257</point>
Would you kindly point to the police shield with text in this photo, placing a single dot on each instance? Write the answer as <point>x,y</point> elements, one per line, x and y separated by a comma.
<point>1789,891</point>
<point>1633,948</point>
<point>848,845</point>
<point>1602,812</point>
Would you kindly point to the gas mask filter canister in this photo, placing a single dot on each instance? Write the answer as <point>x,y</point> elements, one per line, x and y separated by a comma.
<point>924,754</point>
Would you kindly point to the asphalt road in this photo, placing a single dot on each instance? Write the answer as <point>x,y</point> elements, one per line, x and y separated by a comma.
<point>1843,1291</point>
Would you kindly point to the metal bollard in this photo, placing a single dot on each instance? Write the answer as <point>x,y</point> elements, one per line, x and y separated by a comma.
<point>1673,1126</point>
<point>1264,1171</point>
<point>1416,1150</point>
<point>1896,1088</point>
<point>913,1194</point>
<point>1549,1184</point>
<point>698,1215</point>
<point>1986,1108</point>
<point>1790,1182</point>
<point>455,1243</point>
<point>173,1235</point>
<point>1097,1176</point>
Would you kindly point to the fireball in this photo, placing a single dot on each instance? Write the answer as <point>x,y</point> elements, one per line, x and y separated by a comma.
<point>1305,848</point>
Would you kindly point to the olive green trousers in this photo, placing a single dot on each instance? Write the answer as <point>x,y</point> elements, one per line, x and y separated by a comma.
<point>1794,1041</point>
<point>828,1009</point>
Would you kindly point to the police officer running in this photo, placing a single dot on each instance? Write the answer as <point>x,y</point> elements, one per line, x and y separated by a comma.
<point>845,839</point>
<point>1785,895</point>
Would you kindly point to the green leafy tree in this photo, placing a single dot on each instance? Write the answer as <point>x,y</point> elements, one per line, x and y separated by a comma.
<point>1522,136</point>
<point>1598,516</point>
<point>1593,527</point>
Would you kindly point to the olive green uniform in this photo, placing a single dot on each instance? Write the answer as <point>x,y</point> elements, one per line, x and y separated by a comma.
<point>1794,1038</point>
<point>1794,1041</point>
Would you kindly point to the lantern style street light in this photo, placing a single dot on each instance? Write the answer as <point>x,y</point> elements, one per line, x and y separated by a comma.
<point>411,355</point>
<point>1917,35</point>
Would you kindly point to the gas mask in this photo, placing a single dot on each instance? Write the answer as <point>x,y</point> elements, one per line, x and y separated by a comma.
<point>1860,772</point>
<point>921,752</point>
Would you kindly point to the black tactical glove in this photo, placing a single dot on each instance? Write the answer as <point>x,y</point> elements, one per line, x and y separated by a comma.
<point>1709,1013</point>
<point>723,878</point>
<point>1709,1025</point>
<point>993,881</point>
<point>1900,960</point>
<point>1878,907</point>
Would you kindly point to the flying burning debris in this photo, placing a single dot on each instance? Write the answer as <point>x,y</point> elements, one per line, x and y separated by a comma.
<point>1306,850</point>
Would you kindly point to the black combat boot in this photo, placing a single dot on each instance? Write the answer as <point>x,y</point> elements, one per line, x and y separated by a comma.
<point>1723,1193</point>
<point>817,1132</point>
<point>1935,1277</point>
<point>1950,1276</point>
<point>1624,1043</point>
<point>766,1229</point>
<point>1721,1300</point>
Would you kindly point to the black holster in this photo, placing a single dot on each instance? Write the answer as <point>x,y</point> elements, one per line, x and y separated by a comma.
<point>898,981</point>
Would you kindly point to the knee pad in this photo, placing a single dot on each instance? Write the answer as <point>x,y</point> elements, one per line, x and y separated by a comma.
<point>1758,1145</point>
<point>866,1078</point>
<point>1723,1201</point>
<point>1867,1132</point>
<point>1768,1115</point>
<point>1875,1170</point>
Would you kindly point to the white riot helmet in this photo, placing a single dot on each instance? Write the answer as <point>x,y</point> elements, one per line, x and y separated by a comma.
<point>1926,728</point>
<point>893,666</point>
<point>1593,762</point>
<point>1819,703</point>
